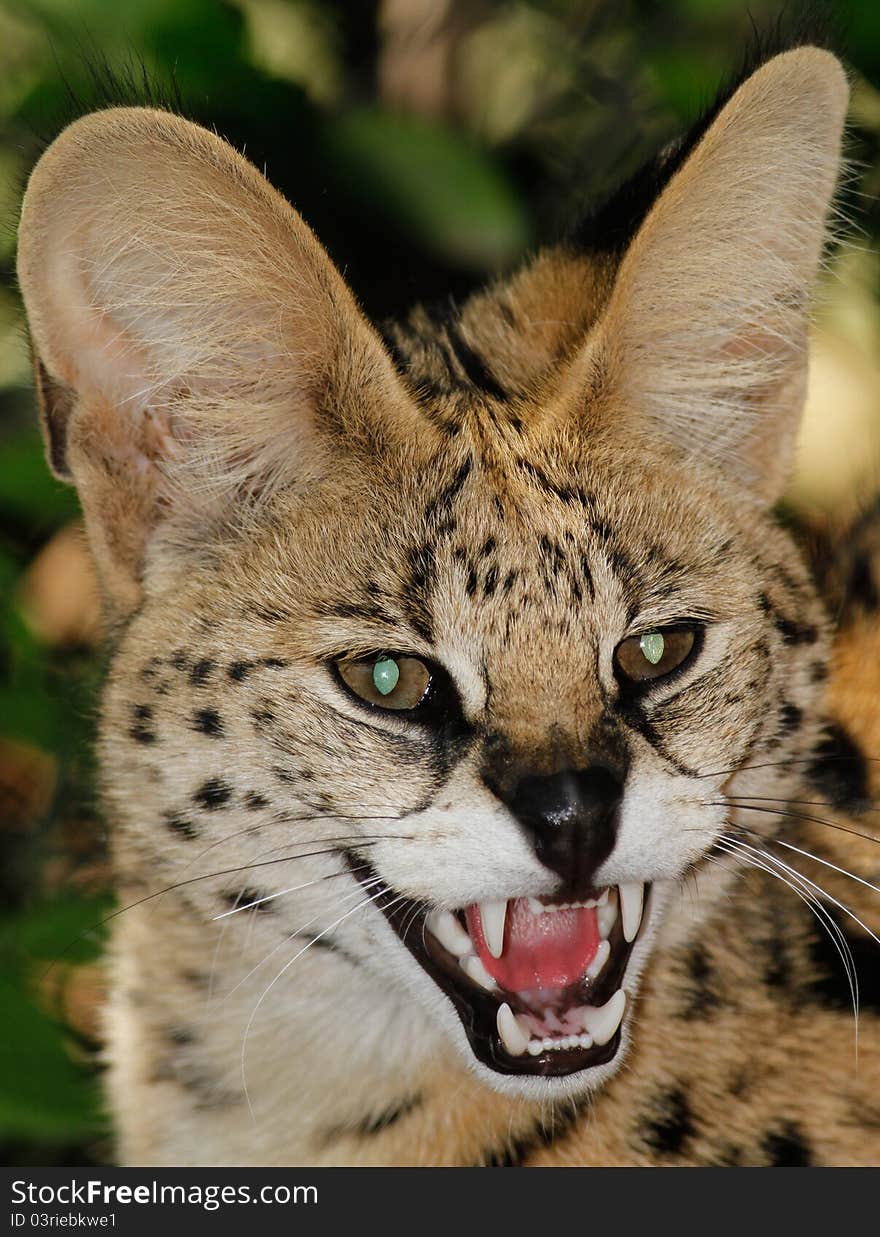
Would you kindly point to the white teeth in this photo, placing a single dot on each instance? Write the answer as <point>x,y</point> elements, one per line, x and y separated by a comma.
<point>603,953</point>
<point>474,969</point>
<point>536,907</point>
<point>606,916</point>
<point>631,898</point>
<point>493,916</point>
<point>536,1047</point>
<point>513,1037</point>
<point>602,1023</point>
<point>449,933</point>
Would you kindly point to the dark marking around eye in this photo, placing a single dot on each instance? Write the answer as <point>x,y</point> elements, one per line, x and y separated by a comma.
<point>208,721</point>
<point>364,613</point>
<point>840,771</point>
<point>787,1147</point>
<point>180,826</point>
<point>141,729</point>
<point>669,1126</point>
<point>201,672</point>
<point>213,794</point>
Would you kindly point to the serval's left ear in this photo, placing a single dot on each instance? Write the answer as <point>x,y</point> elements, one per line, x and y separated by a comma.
<point>704,340</point>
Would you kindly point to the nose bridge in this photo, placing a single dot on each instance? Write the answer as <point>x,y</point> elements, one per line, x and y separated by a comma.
<point>542,724</point>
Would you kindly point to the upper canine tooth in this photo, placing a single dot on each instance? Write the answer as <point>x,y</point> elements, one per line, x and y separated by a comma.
<point>603,1022</point>
<point>632,895</point>
<point>493,916</point>
<point>513,1037</point>
<point>449,933</point>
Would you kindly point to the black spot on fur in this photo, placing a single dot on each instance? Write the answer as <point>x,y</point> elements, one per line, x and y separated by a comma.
<point>179,660</point>
<point>787,1147</point>
<point>181,1036</point>
<point>254,801</point>
<point>701,995</point>
<point>669,1126</point>
<point>839,770</point>
<point>208,721</point>
<point>244,897</point>
<point>370,1126</point>
<point>793,632</point>
<point>141,729</point>
<point>239,670</point>
<point>830,986</point>
<point>181,826</point>
<point>213,794</point>
<point>201,672</point>
<point>790,718</point>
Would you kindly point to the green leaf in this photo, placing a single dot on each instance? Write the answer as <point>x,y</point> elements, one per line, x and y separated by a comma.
<point>443,190</point>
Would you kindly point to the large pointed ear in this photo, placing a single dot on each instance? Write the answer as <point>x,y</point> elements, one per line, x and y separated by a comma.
<point>194,347</point>
<point>704,340</point>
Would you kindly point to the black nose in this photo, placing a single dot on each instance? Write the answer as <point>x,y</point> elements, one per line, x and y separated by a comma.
<point>571,818</point>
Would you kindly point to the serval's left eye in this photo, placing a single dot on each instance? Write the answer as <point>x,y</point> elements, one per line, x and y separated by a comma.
<point>654,653</point>
<point>386,680</point>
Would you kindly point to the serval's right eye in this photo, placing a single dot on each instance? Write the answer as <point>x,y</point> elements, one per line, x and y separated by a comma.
<point>386,680</point>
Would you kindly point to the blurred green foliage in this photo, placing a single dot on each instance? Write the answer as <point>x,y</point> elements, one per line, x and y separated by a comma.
<point>430,145</point>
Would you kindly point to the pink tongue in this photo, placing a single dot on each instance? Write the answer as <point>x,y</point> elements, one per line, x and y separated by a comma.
<point>551,950</point>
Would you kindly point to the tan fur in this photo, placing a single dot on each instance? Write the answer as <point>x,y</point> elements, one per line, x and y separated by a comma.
<point>264,492</point>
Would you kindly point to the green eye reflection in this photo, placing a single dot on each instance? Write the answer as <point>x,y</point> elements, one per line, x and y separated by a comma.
<point>654,653</point>
<point>652,645</point>
<point>390,682</point>
<point>386,675</point>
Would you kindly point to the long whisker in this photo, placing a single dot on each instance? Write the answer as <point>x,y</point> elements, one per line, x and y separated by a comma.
<point>359,906</point>
<point>824,892</point>
<point>292,936</point>
<point>732,846</point>
<point>793,760</point>
<point>370,840</point>
<point>246,906</point>
<point>740,802</point>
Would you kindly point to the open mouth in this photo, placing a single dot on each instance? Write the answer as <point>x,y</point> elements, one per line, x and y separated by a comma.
<point>537,984</point>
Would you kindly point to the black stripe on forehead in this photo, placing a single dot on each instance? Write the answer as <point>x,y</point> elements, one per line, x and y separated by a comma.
<point>431,352</point>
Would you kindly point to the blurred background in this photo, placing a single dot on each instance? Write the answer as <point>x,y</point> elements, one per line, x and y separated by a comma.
<point>430,143</point>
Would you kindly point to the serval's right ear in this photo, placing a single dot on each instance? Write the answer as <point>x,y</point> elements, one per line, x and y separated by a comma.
<point>195,348</point>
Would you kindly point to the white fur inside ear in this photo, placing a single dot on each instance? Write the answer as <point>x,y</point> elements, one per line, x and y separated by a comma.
<point>706,331</point>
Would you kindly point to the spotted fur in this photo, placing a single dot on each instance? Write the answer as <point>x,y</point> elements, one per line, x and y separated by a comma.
<point>507,489</point>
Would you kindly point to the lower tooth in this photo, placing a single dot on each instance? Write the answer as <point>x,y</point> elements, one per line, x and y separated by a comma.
<point>512,1035</point>
<point>536,1047</point>
<point>474,969</point>
<point>602,1023</point>
<point>449,933</point>
<point>603,953</point>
